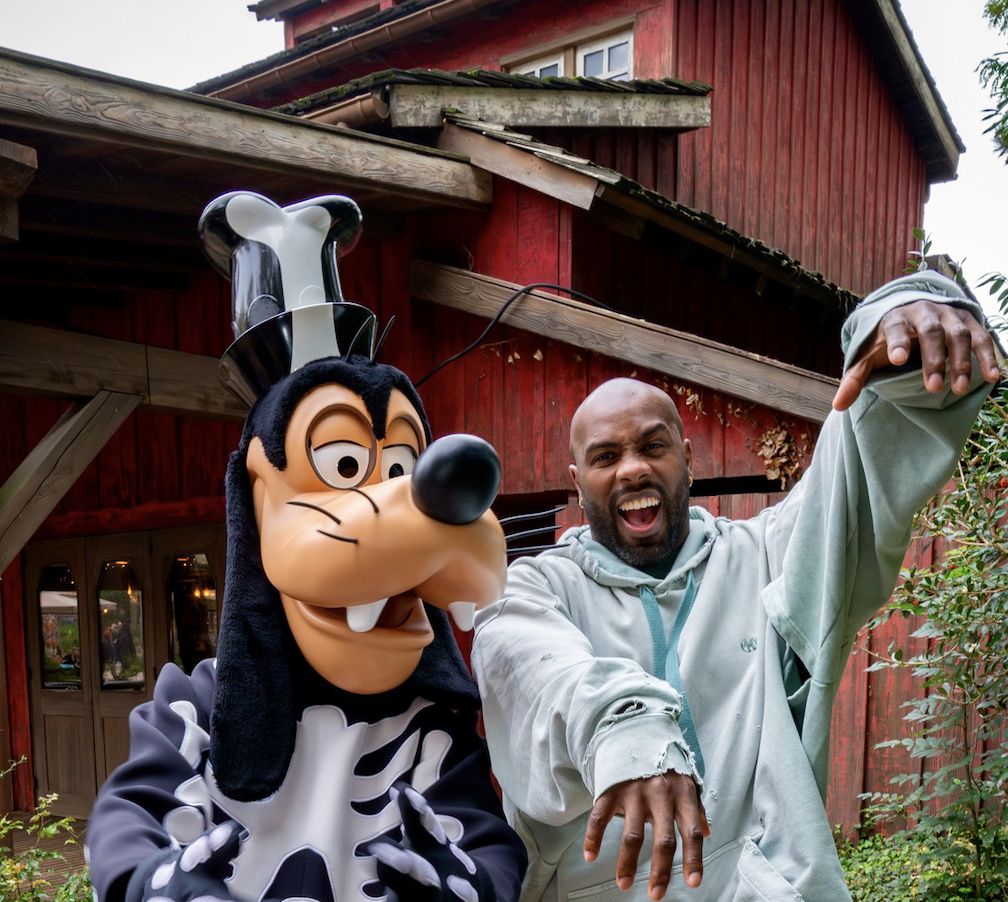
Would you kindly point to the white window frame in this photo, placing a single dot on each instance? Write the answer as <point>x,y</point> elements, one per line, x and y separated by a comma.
<point>535,67</point>
<point>605,45</point>
<point>569,53</point>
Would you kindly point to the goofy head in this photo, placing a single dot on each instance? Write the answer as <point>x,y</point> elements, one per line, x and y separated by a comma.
<point>350,534</point>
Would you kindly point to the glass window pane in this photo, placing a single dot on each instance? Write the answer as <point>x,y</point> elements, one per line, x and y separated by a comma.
<point>593,63</point>
<point>120,626</point>
<point>60,629</point>
<point>544,67</point>
<point>619,56</point>
<point>192,601</point>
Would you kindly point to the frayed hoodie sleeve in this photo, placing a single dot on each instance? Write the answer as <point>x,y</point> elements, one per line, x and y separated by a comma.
<point>564,725</point>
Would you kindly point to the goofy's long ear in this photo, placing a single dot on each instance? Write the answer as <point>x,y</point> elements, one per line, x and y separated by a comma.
<point>253,722</point>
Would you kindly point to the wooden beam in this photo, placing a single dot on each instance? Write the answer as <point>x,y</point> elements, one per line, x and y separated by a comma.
<point>104,108</point>
<point>9,220</point>
<point>423,106</point>
<point>801,393</point>
<point>17,168</point>
<point>18,165</point>
<point>45,475</point>
<point>520,166</point>
<point>42,361</point>
<point>188,382</point>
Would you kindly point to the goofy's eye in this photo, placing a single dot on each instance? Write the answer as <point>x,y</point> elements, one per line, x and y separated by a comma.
<point>343,465</point>
<point>397,460</point>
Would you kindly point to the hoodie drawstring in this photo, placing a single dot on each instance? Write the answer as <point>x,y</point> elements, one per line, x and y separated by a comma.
<point>666,657</point>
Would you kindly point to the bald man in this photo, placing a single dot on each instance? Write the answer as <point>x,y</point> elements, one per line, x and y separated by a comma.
<point>677,670</point>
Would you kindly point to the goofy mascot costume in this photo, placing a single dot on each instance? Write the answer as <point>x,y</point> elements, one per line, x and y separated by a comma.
<point>329,752</point>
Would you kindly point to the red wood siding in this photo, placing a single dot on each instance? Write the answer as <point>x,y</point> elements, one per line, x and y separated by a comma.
<point>805,141</point>
<point>154,461</point>
<point>16,682</point>
<point>806,150</point>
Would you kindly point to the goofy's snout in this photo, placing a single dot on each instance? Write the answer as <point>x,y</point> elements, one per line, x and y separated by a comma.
<point>456,478</point>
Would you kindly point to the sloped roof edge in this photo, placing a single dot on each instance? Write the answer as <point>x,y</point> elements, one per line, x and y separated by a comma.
<point>316,50</point>
<point>901,64</point>
<point>740,247</point>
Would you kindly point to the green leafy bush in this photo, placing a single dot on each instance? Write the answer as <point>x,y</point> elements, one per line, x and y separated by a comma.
<point>34,874</point>
<point>881,869</point>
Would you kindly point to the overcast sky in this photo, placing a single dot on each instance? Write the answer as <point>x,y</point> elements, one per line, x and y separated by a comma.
<point>183,42</point>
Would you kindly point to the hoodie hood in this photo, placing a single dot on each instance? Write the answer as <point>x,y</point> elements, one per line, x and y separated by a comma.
<point>605,568</point>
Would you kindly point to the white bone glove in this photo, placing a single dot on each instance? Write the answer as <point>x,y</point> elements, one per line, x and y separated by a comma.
<point>425,866</point>
<point>193,874</point>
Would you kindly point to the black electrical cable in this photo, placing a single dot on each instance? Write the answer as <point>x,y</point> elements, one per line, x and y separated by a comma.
<point>514,297</point>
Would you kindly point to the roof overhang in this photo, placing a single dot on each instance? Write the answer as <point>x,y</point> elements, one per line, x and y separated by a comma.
<point>423,106</point>
<point>626,207</point>
<point>902,67</point>
<point>318,54</point>
<point>103,179</point>
<point>105,110</point>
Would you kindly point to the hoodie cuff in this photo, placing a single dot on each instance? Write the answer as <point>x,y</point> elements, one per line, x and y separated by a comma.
<point>636,744</point>
<point>927,286</point>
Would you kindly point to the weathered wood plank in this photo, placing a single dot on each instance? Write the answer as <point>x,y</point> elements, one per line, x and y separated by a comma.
<point>62,364</point>
<point>35,488</point>
<point>419,106</point>
<point>64,99</point>
<point>17,168</point>
<point>43,361</point>
<point>18,165</point>
<point>520,166</point>
<point>801,393</point>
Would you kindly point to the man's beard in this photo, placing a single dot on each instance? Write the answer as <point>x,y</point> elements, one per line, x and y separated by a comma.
<point>654,549</point>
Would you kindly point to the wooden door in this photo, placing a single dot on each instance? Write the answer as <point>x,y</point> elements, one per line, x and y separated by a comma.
<point>103,615</point>
<point>59,633</point>
<point>130,643</point>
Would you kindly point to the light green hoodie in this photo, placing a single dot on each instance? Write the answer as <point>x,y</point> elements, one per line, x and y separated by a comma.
<point>566,661</point>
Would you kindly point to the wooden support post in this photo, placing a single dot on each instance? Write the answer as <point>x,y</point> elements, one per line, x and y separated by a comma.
<point>36,487</point>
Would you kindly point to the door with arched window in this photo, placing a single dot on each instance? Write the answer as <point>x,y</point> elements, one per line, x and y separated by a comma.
<point>103,615</point>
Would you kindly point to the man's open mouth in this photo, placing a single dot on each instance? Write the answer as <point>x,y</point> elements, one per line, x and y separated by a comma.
<point>640,514</point>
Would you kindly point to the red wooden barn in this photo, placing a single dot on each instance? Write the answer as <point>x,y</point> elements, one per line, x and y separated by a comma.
<point>726,177</point>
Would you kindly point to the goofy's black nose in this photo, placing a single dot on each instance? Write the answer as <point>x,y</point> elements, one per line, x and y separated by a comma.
<point>455,480</point>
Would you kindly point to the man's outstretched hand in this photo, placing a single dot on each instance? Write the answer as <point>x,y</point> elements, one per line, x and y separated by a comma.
<point>666,801</point>
<point>941,332</point>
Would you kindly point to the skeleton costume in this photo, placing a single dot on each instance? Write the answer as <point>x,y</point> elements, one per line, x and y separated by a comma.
<point>255,777</point>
